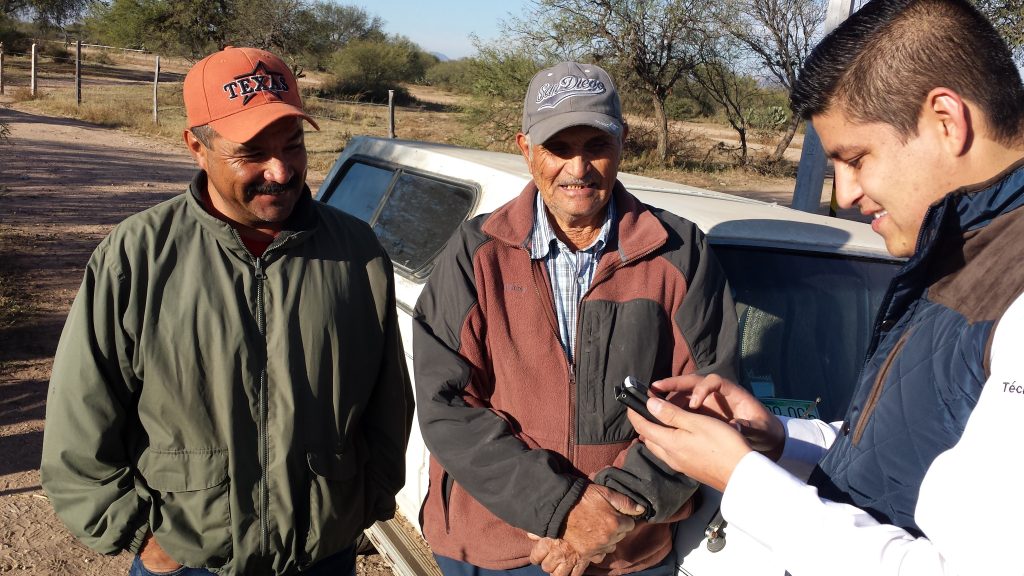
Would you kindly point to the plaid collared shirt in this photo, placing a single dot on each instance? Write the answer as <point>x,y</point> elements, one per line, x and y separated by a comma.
<point>570,272</point>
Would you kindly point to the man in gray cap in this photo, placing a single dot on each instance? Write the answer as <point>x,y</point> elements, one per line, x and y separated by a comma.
<point>533,315</point>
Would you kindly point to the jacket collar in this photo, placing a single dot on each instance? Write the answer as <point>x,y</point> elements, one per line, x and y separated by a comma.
<point>637,230</point>
<point>298,227</point>
<point>971,207</point>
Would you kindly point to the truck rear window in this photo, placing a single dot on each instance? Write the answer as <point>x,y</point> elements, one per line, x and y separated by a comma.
<point>412,214</point>
<point>805,322</point>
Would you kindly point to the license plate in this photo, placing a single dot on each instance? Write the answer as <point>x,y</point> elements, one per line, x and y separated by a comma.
<point>791,408</point>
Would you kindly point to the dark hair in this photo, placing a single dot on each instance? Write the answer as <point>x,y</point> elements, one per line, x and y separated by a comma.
<point>204,133</point>
<point>882,62</point>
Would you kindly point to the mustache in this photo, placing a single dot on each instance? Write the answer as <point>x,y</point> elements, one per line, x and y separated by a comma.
<point>274,188</point>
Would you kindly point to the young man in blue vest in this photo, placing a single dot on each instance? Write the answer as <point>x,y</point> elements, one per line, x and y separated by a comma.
<point>921,108</point>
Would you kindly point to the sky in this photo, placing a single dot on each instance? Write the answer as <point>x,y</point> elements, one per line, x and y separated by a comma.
<point>443,25</point>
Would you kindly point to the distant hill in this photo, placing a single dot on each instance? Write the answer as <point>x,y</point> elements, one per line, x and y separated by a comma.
<point>440,56</point>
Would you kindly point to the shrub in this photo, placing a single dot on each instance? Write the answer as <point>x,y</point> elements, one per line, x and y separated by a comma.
<point>768,118</point>
<point>101,57</point>
<point>57,52</point>
<point>454,75</point>
<point>14,40</point>
<point>500,75</point>
<point>640,149</point>
<point>24,94</point>
<point>369,68</point>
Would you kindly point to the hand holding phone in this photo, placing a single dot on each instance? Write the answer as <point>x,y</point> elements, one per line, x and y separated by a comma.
<point>634,394</point>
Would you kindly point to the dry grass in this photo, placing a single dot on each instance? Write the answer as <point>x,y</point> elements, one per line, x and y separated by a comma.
<point>698,154</point>
<point>129,107</point>
<point>11,307</point>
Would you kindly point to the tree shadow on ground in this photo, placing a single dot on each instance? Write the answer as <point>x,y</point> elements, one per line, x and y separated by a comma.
<point>22,452</point>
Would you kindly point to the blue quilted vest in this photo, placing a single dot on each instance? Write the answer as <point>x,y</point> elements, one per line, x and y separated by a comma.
<point>928,356</point>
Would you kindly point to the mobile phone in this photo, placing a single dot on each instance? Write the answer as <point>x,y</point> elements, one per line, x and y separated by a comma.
<point>634,394</point>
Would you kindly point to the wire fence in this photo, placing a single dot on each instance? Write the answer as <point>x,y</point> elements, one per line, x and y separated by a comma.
<point>111,75</point>
<point>56,68</point>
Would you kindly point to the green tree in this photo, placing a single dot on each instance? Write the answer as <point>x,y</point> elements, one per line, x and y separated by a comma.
<point>1008,18</point>
<point>652,43</point>
<point>10,35</point>
<point>322,28</point>
<point>184,27</point>
<point>46,13</point>
<point>266,24</point>
<point>126,23</point>
<point>717,77</point>
<point>304,32</point>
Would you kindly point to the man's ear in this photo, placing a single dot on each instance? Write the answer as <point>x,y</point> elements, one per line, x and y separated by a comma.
<point>947,113</point>
<point>523,141</point>
<point>196,148</point>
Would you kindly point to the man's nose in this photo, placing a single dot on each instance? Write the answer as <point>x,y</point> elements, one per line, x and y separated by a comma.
<point>848,189</point>
<point>578,166</point>
<point>277,170</point>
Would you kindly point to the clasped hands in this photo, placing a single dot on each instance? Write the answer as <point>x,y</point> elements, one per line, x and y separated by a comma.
<point>600,519</point>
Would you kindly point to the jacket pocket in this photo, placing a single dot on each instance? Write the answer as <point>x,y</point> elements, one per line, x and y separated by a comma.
<point>447,485</point>
<point>337,501</point>
<point>191,512</point>
<point>616,339</point>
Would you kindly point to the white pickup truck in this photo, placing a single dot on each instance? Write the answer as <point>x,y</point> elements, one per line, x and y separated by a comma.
<point>806,289</point>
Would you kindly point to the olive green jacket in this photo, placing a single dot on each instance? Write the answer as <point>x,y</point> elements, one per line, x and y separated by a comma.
<point>252,413</point>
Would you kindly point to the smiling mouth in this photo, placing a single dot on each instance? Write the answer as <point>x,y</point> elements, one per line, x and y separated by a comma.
<point>879,214</point>
<point>576,185</point>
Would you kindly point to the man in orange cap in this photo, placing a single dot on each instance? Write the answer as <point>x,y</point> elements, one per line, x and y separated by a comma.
<point>230,392</point>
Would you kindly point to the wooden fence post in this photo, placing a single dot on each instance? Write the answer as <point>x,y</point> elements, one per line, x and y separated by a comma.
<point>156,82</point>
<point>32,84</point>
<point>391,113</point>
<point>78,73</point>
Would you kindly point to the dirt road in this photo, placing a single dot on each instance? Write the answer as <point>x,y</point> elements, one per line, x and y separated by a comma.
<point>64,185</point>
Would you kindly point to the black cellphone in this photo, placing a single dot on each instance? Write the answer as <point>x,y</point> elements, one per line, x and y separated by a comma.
<point>634,394</point>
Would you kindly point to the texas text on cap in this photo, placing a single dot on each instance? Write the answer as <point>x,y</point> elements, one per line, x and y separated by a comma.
<point>571,94</point>
<point>241,91</point>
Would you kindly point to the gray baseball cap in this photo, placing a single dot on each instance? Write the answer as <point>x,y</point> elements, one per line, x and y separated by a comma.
<point>571,94</point>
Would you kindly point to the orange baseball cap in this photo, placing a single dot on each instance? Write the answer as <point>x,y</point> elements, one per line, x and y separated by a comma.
<point>241,91</point>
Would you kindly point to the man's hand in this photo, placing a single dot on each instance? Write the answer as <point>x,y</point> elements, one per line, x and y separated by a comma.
<point>703,447</point>
<point>599,520</point>
<point>595,525</point>
<point>724,399</point>
<point>558,558</point>
<point>154,558</point>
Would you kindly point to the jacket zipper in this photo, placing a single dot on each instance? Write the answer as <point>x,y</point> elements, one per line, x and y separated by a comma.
<point>571,448</point>
<point>261,324</point>
<point>539,271</point>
